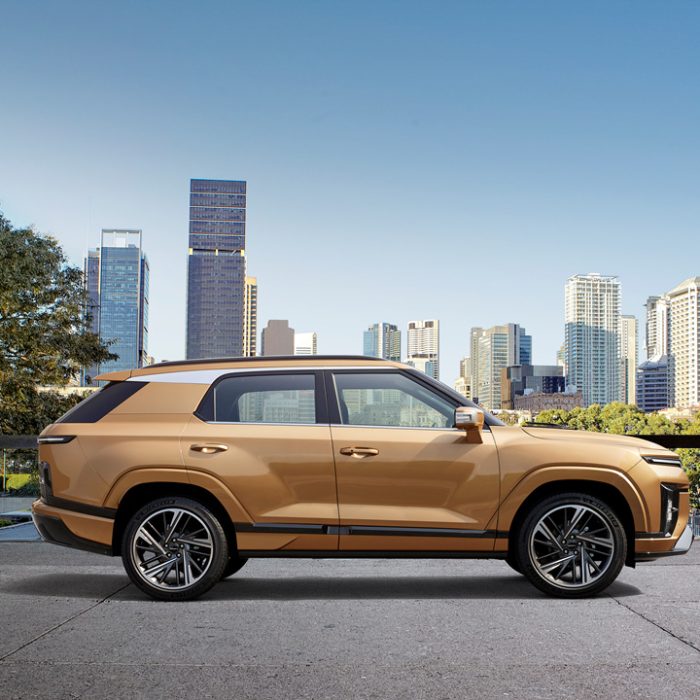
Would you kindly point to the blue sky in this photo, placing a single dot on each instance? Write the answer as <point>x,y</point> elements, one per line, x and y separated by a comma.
<point>404,160</point>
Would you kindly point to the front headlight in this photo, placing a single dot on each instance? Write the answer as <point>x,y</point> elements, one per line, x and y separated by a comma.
<point>663,461</point>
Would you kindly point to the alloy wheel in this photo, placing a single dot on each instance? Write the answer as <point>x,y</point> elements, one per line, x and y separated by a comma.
<point>172,549</point>
<point>572,546</point>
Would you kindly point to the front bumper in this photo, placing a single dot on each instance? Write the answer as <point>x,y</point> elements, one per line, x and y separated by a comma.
<point>682,546</point>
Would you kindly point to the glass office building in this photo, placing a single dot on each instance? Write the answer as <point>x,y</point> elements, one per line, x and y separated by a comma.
<point>117,277</point>
<point>382,340</point>
<point>216,272</point>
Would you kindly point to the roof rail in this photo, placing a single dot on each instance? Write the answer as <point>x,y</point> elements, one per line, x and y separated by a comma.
<point>283,358</point>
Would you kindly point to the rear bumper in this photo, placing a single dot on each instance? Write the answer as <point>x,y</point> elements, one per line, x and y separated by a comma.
<point>682,546</point>
<point>69,529</point>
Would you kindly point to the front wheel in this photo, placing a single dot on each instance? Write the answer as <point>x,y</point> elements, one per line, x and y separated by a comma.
<point>174,549</point>
<point>572,545</point>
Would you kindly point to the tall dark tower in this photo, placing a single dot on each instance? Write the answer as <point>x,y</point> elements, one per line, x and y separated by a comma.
<point>216,269</point>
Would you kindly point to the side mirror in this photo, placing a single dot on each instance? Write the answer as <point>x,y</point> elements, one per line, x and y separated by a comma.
<point>471,420</point>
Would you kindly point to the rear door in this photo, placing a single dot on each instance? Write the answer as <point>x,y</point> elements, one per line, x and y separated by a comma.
<point>266,436</point>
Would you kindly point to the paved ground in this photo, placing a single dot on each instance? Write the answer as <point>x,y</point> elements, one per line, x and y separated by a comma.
<point>72,626</point>
<point>13,503</point>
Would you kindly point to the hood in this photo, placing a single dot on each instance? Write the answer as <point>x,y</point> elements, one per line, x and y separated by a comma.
<point>580,436</point>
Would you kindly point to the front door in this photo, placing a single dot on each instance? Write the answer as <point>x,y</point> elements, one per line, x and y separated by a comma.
<point>407,479</point>
<point>265,436</point>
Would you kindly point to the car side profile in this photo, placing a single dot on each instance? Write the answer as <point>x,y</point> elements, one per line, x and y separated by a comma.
<point>188,469</point>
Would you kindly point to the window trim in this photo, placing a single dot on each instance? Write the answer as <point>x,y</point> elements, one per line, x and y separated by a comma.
<point>333,398</point>
<point>204,410</point>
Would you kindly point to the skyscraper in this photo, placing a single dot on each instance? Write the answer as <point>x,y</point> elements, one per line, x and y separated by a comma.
<point>493,349</point>
<point>684,343</point>
<point>122,296</point>
<point>306,343</point>
<point>382,340</point>
<point>592,337</point>
<point>628,359</point>
<point>423,346</point>
<point>656,326</point>
<point>463,383</point>
<point>91,280</point>
<point>652,384</point>
<point>250,318</point>
<point>216,304</point>
<point>277,338</point>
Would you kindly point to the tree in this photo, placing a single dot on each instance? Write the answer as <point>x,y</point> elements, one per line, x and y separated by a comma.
<point>44,336</point>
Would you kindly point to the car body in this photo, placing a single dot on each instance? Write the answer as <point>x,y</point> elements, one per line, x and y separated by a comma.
<point>187,469</point>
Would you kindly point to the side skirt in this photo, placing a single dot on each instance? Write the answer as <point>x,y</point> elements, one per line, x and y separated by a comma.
<point>371,554</point>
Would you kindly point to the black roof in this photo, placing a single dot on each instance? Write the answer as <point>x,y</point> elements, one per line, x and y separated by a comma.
<point>283,358</point>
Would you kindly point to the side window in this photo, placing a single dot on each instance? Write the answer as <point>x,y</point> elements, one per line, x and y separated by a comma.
<point>271,398</point>
<point>390,399</point>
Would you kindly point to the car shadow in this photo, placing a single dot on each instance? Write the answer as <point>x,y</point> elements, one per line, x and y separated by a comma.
<point>117,587</point>
<point>379,588</point>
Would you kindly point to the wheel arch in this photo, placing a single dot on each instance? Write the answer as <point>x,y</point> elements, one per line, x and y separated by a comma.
<point>606,492</point>
<point>139,495</point>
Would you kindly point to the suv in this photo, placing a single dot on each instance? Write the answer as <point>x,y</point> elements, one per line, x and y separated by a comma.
<point>188,469</point>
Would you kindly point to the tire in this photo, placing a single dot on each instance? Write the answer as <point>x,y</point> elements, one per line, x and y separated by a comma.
<point>233,565</point>
<point>572,545</point>
<point>513,562</point>
<point>174,549</point>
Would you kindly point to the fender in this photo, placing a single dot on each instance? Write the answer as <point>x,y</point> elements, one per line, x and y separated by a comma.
<point>547,475</point>
<point>150,475</point>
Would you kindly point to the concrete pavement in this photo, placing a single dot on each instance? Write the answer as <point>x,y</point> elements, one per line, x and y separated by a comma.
<point>71,626</point>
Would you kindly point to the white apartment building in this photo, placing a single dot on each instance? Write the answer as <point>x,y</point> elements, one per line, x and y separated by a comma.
<point>592,337</point>
<point>657,327</point>
<point>628,359</point>
<point>306,343</point>
<point>684,343</point>
<point>423,346</point>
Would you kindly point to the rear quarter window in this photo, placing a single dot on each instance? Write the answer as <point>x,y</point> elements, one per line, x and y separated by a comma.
<point>98,405</point>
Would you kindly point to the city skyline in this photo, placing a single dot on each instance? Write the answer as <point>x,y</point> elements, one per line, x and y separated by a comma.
<point>411,158</point>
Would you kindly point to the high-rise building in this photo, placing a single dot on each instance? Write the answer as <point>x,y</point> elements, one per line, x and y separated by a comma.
<point>423,346</point>
<point>592,337</point>
<point>493,349</point>
<point>277,339</point>
<point>306,343</point>
<point>91,281</point>
<point>684,344</point>
<point>382,340</point>
<point>657,327</point>
<point>216,269</point>
<point>652,384</point>
<point>628,359</point>
<point>463,383</point>
<point>525,379</point>
<point>250,318</point>
<point>121,297</point>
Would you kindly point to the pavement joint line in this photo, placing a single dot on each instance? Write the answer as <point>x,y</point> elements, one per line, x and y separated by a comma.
<point>65,622</point>
<point>641,663</point>
<point>656,624</point>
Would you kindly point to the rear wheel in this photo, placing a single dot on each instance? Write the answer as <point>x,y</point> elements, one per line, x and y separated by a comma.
<point>174,549</point>
<point>572,545</point>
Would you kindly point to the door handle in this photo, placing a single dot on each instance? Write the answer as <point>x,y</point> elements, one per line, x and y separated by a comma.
<point>359,451</point>
<point>209,449</point>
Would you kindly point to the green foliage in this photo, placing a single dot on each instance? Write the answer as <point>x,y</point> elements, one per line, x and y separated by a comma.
<point>44,336</point>
<point>626,419</point>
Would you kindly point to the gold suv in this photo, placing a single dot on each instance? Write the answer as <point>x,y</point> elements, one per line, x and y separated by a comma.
<point>188,469</point>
